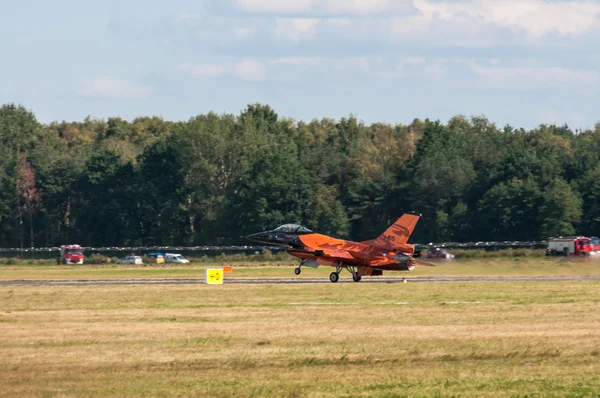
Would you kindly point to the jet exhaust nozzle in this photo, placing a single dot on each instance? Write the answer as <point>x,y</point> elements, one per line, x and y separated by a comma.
<point>405,263</point>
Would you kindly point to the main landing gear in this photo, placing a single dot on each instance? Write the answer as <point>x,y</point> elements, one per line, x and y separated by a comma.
<point>335,276</point>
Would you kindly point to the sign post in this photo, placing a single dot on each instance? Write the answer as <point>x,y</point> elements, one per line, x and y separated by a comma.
<point>213,276</point>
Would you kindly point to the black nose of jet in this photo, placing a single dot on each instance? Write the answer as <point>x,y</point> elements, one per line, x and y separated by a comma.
<point>259,237</point>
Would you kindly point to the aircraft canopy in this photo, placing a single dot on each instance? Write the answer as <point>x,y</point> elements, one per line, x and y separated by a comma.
<point>293,228</point>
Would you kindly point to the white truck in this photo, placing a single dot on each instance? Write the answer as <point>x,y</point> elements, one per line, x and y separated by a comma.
<point>175,258</point>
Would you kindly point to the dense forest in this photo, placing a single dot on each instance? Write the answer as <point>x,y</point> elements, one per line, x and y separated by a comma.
<point>216,178</point>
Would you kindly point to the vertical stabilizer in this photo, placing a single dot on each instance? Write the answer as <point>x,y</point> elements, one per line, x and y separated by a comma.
<point>398,233</point>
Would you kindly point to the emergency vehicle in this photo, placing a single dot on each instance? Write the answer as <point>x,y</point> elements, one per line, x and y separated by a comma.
<point>569,246</point>
<point>70,254</point>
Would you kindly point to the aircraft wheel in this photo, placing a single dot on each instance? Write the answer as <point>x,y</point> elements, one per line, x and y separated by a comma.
<point>297,271</point>
<point>334,277</point>
<point>356,278</point>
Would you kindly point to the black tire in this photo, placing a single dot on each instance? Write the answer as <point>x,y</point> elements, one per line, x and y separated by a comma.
<point>356,278</point>
<point>297,271</point>
<point>334,277</point>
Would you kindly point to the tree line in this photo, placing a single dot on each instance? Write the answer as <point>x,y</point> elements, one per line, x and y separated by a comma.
<point>215,178</point>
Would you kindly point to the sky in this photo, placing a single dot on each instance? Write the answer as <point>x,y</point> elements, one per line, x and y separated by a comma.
<point>517,62</point>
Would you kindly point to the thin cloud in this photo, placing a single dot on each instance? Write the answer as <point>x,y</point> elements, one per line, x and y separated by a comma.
<point>412,66</point>
<point>247,69</point>
<point>186,16</point>
<point>528,78</point>
<point>201,70</point>
<point>536,17</point>
<point>365,7</point>
<point>112,87</point>
<point>354,63</point>
<point>273,6</point>
<point>322,7</point>
<point>244,33</point>
<point>437,70</point>
<point>250,70</point>
<point>297,61</point>
<point>296,29</point>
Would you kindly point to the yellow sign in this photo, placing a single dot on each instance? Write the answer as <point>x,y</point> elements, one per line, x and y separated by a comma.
<point>213,276</point>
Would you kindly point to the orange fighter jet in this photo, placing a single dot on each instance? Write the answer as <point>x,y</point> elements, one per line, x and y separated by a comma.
<point>389,252</point>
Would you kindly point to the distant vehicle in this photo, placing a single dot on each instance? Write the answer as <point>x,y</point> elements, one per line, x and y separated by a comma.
<point>595,242</point>
<point>131,260</point>
<point>569,246</point>
<point>175,258</point>
<point>70,254</point>
<point>436,252</point>
<point>156,258</point>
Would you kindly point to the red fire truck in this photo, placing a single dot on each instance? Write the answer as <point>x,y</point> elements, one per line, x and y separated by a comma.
<point>70,254</point>
<point>569,246</point>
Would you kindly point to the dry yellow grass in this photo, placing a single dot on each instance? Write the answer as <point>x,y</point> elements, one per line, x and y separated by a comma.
<point>463,339</point>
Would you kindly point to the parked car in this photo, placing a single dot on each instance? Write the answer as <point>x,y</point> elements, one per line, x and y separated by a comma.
<point>436,252</point>
<point>156,258</point>
<point>131,260</point>
<point>175,258</point>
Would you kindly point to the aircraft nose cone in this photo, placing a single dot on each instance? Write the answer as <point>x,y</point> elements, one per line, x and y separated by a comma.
<point>255,237</point>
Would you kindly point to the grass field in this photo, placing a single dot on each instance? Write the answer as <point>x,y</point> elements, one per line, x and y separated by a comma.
<point>471,267</point>
<point>437,339</point>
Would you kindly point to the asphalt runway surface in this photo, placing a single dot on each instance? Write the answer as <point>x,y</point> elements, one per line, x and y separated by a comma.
<point>280,281</point>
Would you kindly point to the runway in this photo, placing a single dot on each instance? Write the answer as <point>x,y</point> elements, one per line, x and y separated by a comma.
<point>280,281</point>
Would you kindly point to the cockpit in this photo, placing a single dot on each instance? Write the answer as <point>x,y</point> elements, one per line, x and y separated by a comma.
<point>285,235</point>
<point>293,228</point>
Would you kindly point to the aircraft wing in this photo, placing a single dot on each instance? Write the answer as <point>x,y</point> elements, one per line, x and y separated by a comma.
<point>341,254</point>
<point>330,247</point>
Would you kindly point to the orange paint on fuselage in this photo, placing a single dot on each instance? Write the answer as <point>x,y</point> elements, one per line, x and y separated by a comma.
<point>326,250</point>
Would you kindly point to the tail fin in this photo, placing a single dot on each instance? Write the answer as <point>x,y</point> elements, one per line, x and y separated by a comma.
<point>398,233</point>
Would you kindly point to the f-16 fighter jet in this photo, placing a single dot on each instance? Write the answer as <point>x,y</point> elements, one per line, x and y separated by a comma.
<point>389,252</point>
